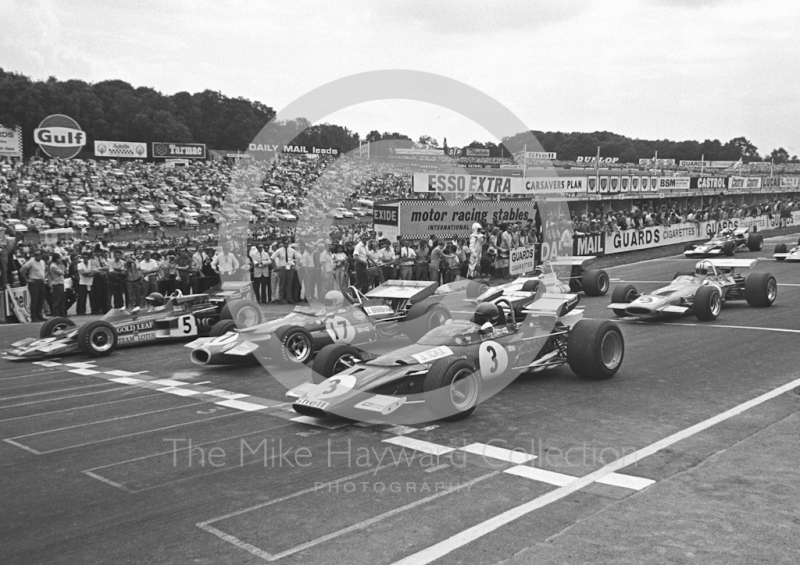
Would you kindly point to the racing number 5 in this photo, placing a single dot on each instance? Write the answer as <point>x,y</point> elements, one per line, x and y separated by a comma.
<point>187,325</point>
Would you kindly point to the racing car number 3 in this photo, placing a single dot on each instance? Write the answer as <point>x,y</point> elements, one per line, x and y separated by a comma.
<point>335,386</point>
<point>493,359</point>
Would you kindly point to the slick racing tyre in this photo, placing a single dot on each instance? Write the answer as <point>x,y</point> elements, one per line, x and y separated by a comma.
<point>294,346</point>
<point>55,326</point>
<point>755,242</point>
<point>476,288</point>
<point>422,318</point>
<point>595,349</point>
<point>245,313</point>
<point>707,303</point>
<point>781,248</point>
<point>729,248</point>
<point>452,389</point>
<point>595,282</point>
<point>530,286</point>
<point>333,359</point>
<point>221,328</point>
<point>760,289</point>
<point>97,339</point>
<point>623,295</point>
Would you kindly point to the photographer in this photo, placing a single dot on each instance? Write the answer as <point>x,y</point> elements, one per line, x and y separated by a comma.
<point>57,271</point>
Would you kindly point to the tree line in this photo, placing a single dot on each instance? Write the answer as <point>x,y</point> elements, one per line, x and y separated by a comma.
<point>116,111</point>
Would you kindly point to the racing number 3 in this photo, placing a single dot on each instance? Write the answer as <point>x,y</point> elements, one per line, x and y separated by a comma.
<point>493,359</point>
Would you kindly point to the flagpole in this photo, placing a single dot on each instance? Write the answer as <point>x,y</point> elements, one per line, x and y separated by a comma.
<point>702,163</point>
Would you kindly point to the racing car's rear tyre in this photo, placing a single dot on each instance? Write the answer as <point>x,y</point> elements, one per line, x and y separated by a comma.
<point>595,282</point>
<point>221,328</point>
<point>760,289</point>
<point>55,326</point>
<point>245,313</point>
<point>530,286</point>
<point>781,248</point>
<point>452,389</point>
<point>707,303</point>
<point>623,295</point>
<point>595,349</point>
<point>333,359</point>
<point>476,288</point>
<point>97,339</point>
<point>294,346</point>
<point>755,242</point>
<point>729,248</point>
<point>688,247</point>
<point>422,318</point>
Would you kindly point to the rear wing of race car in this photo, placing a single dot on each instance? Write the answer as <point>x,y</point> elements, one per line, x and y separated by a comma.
<point>572,261</point>
<point>549,304</point>
<point>732,263</point>
<point>414,291</point>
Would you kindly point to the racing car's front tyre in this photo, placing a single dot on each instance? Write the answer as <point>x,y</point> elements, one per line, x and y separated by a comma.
<point>781,248</point>
<point>623,295</point>
<point>595,349</point>
<point>755,242</point>
<point>760,289</point>
<point>595,282</point>
<point>476,288</point>
<point>707,303</point>
<point>97,339</point>
<point>333,359</point>
<point>245,313</point>
<point>221,328</point>
<point>55,326</point>
<point>294,346</point>
<point>452,389</point>
<point>729,248</point>
<point>422,318</point>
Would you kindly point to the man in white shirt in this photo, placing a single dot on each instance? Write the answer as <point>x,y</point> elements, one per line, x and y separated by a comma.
<point>407,256</point>
<point>149,268</point>
<point>285,260</point>
<point>226,262</point>
<point>261,281</point>
<point>86,277</point>
<point>361,256</point>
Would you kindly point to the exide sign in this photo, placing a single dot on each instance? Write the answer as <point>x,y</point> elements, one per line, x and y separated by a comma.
<point>60,136</point>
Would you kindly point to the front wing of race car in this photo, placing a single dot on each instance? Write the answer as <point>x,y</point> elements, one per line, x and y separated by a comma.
<point>704,251</point>
<point>32,349</point>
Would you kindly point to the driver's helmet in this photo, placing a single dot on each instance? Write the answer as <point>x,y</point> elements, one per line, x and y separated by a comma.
<point>155,299</point>
<point>701,268</point>
<point>727,232</point>
<point>538,270</point>
<point>486,312</point>
<point>333,299</point>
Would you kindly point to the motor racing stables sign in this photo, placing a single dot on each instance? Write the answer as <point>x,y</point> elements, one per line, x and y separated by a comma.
<point>423,218</point>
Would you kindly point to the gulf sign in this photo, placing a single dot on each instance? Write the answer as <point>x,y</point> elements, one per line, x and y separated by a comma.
<point>60,136</point>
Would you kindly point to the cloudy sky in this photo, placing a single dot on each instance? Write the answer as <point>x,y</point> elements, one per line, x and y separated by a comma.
<point>676,69</point>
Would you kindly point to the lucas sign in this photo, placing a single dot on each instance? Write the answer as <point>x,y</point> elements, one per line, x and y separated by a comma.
<point>60,136</point>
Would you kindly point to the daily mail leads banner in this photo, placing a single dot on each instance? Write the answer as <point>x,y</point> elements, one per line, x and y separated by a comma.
<point>120,149</point>
<point>494,184</point>
<point>179,150</point>
<point>10,142</point>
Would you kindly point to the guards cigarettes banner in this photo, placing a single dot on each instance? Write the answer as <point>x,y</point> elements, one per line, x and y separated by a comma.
<point>10,142</point>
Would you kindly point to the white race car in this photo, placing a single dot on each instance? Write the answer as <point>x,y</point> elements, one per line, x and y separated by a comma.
<point>783,253</point>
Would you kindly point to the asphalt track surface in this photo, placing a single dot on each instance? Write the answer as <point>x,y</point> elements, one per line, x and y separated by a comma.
<point>142,457</point>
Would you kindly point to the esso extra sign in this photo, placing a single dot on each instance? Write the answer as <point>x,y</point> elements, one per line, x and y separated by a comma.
<point>60,136</point>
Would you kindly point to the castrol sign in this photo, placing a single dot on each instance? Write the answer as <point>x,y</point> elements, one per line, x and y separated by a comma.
<point>60,136</point>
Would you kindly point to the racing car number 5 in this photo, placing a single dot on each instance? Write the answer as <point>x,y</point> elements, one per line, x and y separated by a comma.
<point>493,359</point>
<point>187,325</point>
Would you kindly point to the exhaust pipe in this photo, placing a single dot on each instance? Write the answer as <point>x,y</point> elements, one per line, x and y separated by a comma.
<point>203,356</point>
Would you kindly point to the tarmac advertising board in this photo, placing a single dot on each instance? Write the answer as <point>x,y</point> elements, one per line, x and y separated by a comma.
<point>455,184</point>
<point>424,218</point>
<point>10,142</point>
<point>179,150</point>
<point>120,149</point>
